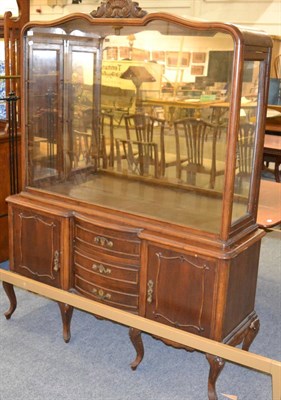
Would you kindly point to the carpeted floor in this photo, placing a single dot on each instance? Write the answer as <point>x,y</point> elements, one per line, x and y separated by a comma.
<point>36,364</point>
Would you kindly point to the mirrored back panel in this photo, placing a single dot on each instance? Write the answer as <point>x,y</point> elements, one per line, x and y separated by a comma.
<point>136,117</point>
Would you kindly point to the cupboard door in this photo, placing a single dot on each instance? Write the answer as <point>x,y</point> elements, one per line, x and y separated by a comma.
<point>180,290</point>
<point>36,246</point>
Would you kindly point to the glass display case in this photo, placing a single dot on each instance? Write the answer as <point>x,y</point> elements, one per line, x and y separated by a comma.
<point>143,138</point>
<point>154,108</point>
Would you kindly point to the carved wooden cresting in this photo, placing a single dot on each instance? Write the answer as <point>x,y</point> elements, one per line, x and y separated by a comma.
<point>119,9</point>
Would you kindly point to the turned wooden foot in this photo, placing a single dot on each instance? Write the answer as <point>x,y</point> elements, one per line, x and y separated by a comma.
<point>9,289</point>
<point>216,366</point>
<point>251,333</point>
<point>135,336</point>
<point>66,315</point>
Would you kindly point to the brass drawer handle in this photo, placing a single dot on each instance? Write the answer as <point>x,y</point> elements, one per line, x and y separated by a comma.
<point>150,285</point>
<point>101,295</point>
<point>56,261</point>
<point>101,269</point>
<point>103,241</point>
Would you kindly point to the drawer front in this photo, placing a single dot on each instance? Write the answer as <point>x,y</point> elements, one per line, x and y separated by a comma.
<point>120,243</point>
<point>102,294</point>
<point>106,273</point>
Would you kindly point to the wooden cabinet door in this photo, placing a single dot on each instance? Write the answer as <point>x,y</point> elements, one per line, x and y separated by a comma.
<point>36,247</point>
<point>180,290</point>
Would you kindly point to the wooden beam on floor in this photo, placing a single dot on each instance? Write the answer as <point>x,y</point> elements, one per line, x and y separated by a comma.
<point>238,356</point>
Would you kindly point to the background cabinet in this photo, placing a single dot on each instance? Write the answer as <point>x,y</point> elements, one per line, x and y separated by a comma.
<point>5,190</point>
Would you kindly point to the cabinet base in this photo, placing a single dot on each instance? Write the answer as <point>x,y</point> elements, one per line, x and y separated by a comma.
<point>245,335</point>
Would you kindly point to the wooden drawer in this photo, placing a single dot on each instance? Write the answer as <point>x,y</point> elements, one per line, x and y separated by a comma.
<point>102,294</point>
<point>120,242</point>
<point>112,275</point>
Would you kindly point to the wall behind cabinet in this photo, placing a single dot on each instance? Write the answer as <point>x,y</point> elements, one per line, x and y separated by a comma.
<point>258,14</point>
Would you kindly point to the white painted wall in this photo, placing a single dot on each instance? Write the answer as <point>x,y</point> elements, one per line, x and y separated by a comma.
<point>259,14</point>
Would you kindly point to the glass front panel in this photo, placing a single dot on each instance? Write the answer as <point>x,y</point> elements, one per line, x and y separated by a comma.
<point>44,111</point>
<point>131,118</point>
<point>246,139</point>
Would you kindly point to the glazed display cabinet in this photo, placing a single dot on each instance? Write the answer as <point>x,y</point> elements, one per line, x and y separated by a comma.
<point>142,148</point>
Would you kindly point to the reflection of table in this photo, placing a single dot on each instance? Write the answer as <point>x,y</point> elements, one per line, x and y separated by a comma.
<point>171,104</point>
<point>272,153</point>
<point>219,108</point>
<point>269,209</point>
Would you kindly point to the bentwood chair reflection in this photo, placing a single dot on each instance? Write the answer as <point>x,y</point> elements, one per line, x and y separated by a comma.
<point>197,160</point>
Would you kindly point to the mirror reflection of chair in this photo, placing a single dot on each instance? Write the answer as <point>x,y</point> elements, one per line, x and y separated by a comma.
<point>141,127</point>
<point>145,145</point>
<point>140,148</point>
<point>107,153</point>
<point>140,156</point>
<point>219,117</point>
<point>89,146</point>
<point>245,151</point>
<point>81,147</point>
<point>122,107</point>
<point>193,133</point>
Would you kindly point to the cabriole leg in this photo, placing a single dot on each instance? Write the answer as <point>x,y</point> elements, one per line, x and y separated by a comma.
<point>251,333</point>
<point>216,366</point>
<point>9,289</point>
<point>66,315</point>
<point>135,336</point>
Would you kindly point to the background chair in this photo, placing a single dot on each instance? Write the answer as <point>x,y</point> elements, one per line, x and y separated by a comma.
<point>193,132</point>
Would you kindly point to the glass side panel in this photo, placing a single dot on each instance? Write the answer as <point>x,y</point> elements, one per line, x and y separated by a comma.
<point>246,139</point>
<point>139,117</point>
